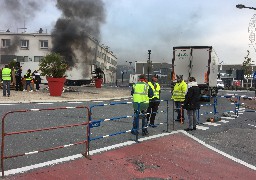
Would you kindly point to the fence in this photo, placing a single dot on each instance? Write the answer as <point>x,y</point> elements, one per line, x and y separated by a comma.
<point>92,122</point>
<point>4,134</point>
<point>216,109</point>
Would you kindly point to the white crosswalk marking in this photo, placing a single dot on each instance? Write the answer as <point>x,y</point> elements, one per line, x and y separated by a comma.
<point>212,124</point>
<point>252,125</point>
<point>227,118</point>
<point>202,127</point>
<point>223,121</point>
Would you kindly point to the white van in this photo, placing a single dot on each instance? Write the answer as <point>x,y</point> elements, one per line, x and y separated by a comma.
<point>220,84</point>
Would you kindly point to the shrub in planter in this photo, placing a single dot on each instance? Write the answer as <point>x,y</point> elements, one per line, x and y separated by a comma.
<point>54,67</point>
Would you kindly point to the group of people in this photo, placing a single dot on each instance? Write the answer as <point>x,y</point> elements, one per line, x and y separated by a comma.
<point>28,77</point>
<point>186,96</point>
<point>146,100</point>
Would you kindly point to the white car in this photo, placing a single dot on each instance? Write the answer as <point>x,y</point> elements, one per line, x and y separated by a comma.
<point>220,84</point>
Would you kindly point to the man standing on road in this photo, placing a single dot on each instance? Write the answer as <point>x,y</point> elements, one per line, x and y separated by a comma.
<point>192,103</point>
<point>153,102</point>
<point>6,77</point>
<point>141,93</point>
<point>178,95</point>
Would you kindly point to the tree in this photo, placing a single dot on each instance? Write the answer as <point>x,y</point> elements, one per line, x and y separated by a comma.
<point>247,67</point>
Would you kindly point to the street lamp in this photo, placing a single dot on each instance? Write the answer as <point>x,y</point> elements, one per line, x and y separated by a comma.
<point>148,62</point>
<point>241,6</point>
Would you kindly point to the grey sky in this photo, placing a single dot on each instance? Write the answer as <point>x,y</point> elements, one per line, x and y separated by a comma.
<point>132,27</point>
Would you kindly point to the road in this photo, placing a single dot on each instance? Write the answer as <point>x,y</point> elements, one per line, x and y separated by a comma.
<point>234,136</point>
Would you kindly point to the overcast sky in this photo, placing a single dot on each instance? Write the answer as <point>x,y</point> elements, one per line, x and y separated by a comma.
<point>132,27</point>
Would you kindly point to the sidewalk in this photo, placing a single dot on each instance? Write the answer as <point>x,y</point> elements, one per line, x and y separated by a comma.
<point>74,93</point>
<point>173,156</point>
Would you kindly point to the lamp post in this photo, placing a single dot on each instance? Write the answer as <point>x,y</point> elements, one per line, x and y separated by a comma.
<point>148,62</point>
<point>131,67</point>
<point>241,6</point>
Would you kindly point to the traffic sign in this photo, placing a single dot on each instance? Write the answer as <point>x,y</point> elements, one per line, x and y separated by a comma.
<point>254,75</point>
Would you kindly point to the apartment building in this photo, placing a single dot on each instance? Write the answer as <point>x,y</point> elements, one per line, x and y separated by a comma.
<point>30,48</point>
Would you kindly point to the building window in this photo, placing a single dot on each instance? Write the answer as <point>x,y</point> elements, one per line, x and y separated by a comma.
<point>24,44</point>
<point>38,58</point>
<point>6,43</point>
<point>44,44</point>
<point>22,58</point>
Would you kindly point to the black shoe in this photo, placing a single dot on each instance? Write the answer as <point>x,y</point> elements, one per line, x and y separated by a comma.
<point>194,128</point>
<point>152,125</point>
<point>188,129</point>
<point>145,132</point>
<point>134,132</point>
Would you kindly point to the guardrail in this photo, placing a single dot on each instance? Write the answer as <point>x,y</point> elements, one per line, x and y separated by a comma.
<point>4,134</point>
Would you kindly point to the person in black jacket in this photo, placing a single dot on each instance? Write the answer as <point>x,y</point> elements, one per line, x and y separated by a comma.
<point>18,78</point>
<point>192,103</point>
<point>37,79</point>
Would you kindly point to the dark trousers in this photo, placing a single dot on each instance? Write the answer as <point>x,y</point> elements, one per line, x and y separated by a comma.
<point>6,87</point>
<point>151,111</point>
<point>28,83</point>
<point>180,113</point>
<point>139,115</point>
<point>18,85</point>
<point>37,85</point>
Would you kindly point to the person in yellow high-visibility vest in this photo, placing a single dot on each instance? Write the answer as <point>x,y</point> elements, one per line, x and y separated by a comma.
<point>141,93</point>
<point>153,101</point>
<point>178,95</point>
<point>6,77</point>
<point>28,78</point>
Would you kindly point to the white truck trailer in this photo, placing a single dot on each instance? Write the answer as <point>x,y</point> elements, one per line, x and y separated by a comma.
<point>200,62</point>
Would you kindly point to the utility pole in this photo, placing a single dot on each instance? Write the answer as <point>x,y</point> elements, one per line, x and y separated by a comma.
<point>149,62</point>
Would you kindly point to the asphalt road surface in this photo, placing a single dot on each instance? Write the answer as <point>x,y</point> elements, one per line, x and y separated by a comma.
<point>233,135</point>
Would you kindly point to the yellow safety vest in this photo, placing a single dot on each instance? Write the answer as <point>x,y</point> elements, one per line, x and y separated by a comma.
<point>155,89</point>
<point>179,91</point>
<point>28,78</point>
<point>140,95</point>
<point>6,74</point>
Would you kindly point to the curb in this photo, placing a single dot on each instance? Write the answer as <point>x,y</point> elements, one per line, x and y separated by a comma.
<point>60,100</point>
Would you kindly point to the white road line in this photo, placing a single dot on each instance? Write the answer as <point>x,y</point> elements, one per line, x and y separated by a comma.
<point>44,103</point>
<point>6,104</point>
<point>212,124</point>
<point>223,121</point>
<point>220,152</point>
<point>75,102</point>
<point>70,158</point>
<point>202,127</point>
<point>227,118</point>
<point>97,101</point>
<point>252,125</point>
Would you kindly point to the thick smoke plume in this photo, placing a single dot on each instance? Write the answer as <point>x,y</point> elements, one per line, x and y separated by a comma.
<point>20,10</point>
<point>80,18</point>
